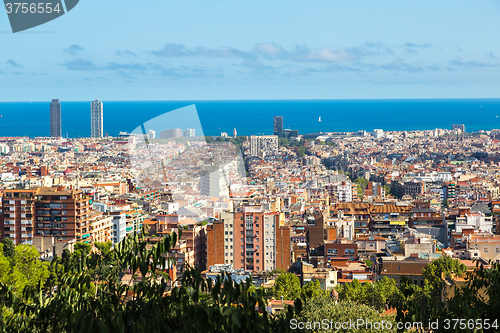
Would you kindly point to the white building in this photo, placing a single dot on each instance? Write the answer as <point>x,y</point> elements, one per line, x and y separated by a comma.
<point>152,134</point>
<point>4,149</point>
<point>344,191</point>
<point>189,132</point>
<point>96,121</point>
<point>119,226</point>
<point>378,133</point>
<point>477,221</point>
<point>214,181</point>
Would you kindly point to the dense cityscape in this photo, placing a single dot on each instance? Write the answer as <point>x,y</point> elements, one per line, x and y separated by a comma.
<point>332,209</point>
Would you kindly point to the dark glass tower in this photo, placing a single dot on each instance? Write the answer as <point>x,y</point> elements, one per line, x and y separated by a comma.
<point>278,126</point>
<point>55,119</point>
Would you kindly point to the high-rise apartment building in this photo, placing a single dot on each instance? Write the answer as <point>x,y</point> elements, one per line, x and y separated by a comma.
<point>262,145</point>
<point>458,127</point>
<point>63,214</point>
<point>18,217</point>
<point>278,126</point>
<point>249,239</point>
<point>47,212</point>
<point>378,133</point>
<point>213,181</point>
<point>96,120</point>
<point>55,119</point>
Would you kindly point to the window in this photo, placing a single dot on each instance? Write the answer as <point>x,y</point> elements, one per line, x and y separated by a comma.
<point>497,250</point>
<point>485,250</point>
<point>399,268</point>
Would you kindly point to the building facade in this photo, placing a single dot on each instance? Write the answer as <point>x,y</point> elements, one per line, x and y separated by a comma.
<point>278,126</point>
<point>63,214</point>
<point>263,145</point>
<point>96,119</point>
<point>18,215</point>
<point>55,119</point>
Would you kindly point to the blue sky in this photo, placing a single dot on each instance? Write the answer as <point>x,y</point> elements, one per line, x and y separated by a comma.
<point>195,50</point>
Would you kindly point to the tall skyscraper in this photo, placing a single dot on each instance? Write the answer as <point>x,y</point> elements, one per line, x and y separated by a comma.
<point>152,135</point>
<point>458,127</point>
<point>96,124</point>
<point>55,119</point>
<point>278,126</point>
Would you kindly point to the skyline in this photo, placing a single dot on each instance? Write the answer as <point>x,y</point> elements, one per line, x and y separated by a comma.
<point>327,50</point>
<point>256,117</point>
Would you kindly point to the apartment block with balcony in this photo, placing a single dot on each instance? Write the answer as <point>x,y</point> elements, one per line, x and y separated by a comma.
<point>62,214</point>
<point>18,216</point>
<point>250,239</point>
<point>101,227</point>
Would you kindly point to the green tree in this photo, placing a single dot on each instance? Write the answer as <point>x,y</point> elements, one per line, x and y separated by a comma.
<point>283,142</point>
<point>361,181</point>
<point>148,305</point>
<point>387,190</point>
<point>480,297</point>
<point>288,286</point>
<point>301,151</point>
<point>377,295</point>
<point>446,265</point>
<point>312,289</point>
<point>66,256</point>
<point>8,247</point>
<point>416,304</point>
<point>360,191</point>
<point>81,249</point>
<point>5,266</point>
<point>324,310</point>
<point>27,269</point>
<point>104,247</point>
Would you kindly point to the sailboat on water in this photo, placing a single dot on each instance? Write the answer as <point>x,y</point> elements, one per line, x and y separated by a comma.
<point>319,119</point>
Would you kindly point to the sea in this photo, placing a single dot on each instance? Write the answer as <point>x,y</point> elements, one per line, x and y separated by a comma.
<point>255,117</point>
